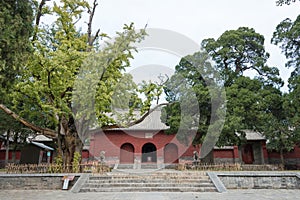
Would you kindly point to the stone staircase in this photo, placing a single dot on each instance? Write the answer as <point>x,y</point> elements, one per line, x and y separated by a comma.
<point>125,166</point>
<point>160,181</point>
<point>149,166</point>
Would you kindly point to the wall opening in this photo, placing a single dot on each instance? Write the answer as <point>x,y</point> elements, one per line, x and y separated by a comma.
<point>149,153</point>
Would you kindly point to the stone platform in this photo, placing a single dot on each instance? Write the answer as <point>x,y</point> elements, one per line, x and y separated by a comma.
<point>258,194</point>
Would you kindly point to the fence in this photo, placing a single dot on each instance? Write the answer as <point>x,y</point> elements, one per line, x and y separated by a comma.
<point>102,168</point>
<point>228,167</point>
<point>55,168</point>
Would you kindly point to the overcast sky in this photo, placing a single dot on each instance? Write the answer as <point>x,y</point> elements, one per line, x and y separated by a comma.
<point>197,20</point>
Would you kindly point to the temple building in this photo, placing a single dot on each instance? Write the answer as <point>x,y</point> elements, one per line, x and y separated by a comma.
<point>140,145</point>
<point>147,144</point>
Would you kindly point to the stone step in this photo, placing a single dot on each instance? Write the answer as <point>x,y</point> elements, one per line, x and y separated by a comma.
<point>125,166</point>
<point>165,172</point>
<point>164,185</point>
<point>162,181</point>
<point>157,178</point>
<point>148,181</point>
<point>150,189</point>
<point>191,175</point>
<point>149,166</point>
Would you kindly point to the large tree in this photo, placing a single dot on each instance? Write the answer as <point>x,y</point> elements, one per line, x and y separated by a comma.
<point>196,107</point>
<point>249,101</point>
<point>55,84</point>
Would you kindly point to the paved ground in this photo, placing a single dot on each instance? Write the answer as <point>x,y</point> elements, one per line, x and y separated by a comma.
<point>230,195</point>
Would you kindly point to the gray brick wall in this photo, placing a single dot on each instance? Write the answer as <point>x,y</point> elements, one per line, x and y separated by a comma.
<point>33,182</point>
<point>260,181</point>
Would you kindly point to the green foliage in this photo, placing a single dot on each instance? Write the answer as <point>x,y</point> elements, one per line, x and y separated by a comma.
<point>151,92</point>
<point>286,2</point>
<point>57,167</point>
<point>191,92</point>
<point>250,102</point>
<point>48,76</point>
<point>58,160</point>
<point>287,35</point>
<point>16,18</point>
<point>16,28</point>
<point>101,83</point>
<point>61,56</point>
<point>237,51</point>
<point>67,82</point>
<point>288,132</point>
<point>76,162</point>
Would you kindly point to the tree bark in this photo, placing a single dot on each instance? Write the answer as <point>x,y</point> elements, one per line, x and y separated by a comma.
<point>7,147</point>
<point>15,146</point>
<point>282,158</point>
<point>68,140</point>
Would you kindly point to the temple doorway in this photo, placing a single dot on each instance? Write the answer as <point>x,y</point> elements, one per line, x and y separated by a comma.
<point>149,153</point>
<point>247,154</point>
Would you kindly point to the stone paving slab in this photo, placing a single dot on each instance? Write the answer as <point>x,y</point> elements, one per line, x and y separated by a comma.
<point>259,194</point>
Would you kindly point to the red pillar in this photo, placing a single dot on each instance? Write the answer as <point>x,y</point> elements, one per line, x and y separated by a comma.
<point>235,154</point>
<point>265,152</point>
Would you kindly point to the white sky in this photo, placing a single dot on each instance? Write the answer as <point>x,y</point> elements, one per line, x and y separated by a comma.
<point>197,20</point>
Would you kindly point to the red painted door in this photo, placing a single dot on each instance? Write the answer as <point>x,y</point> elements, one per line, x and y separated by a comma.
<point>127,153</point>
<point>247,154</point>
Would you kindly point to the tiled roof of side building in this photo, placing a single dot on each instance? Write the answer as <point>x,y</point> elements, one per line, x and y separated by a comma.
<point>253,135</point>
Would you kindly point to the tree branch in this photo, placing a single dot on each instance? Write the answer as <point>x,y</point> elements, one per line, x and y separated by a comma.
<point>91,39</point>
<point>147,114</point>
<point>38,18</point>
<point>44,131</point>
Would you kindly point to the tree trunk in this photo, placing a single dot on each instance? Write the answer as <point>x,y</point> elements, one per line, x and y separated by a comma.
<point>15,146</point>
<point>7,147</point>
<point>282,158</point>
<point>68,140</point>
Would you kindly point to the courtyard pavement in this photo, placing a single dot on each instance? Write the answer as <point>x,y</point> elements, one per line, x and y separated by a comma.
<point>230,195</point>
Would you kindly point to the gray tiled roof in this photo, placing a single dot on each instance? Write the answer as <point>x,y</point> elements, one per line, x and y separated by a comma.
<point>253,135</point>
<point>223,147</point>
<point>151,122</point>
<point>41,138</point>
<point>43,146</point>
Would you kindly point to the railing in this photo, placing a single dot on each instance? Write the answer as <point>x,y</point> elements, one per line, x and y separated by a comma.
<point>102,168</point>
<point>54,168</point>
<point>228,167</point>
